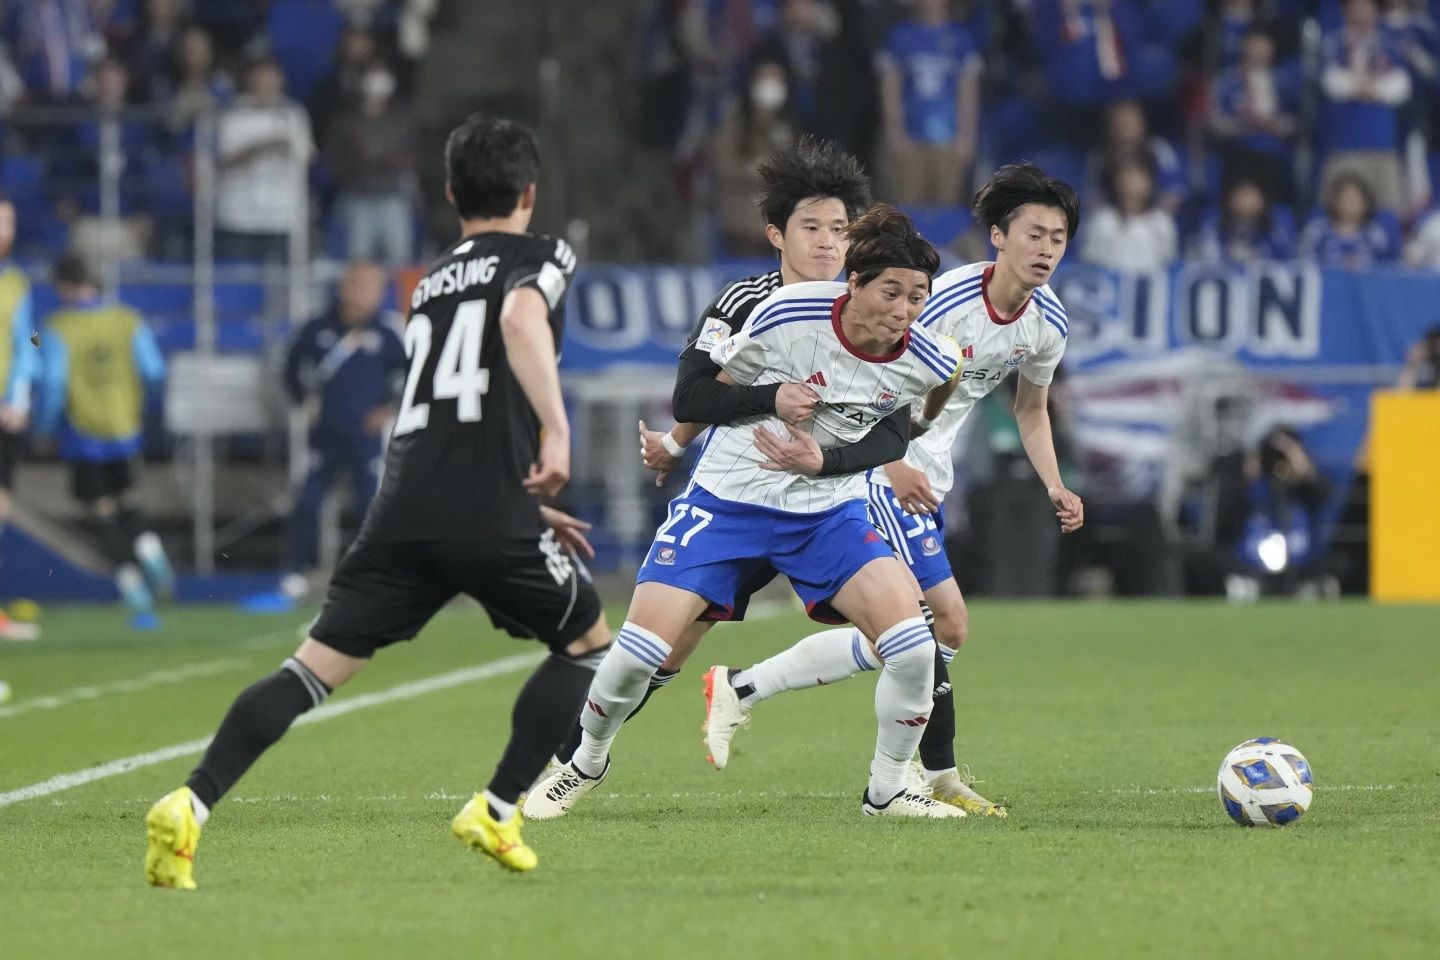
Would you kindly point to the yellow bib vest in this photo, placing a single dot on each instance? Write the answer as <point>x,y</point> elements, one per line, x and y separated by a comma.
<point>13,288</point>
<point>104,395</point>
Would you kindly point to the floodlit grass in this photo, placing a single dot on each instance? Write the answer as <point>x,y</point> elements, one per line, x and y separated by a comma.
<point>1100,725</point>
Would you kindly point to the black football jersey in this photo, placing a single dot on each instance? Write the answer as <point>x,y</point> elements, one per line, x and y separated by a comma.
<point>465,435</point>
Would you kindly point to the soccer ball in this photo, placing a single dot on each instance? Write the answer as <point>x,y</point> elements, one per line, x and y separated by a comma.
<point>1265,781</point>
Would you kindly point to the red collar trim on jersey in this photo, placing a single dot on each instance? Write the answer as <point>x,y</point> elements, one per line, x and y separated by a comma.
<point>990,307</point>
<point>895,354</point>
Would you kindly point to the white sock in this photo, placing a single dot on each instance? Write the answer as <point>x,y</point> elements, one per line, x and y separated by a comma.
<point>148,547</point>
<point>202,812</point>
<point>501,809</point>
<point>903,702</point>
<point>619,686</point>
<point>825,657</point>
<point>932,775</point>
<point>131,584</point>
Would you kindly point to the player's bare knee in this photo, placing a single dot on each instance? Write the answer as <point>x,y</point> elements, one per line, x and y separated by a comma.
<point>952,629</point>
<point>596,638</point>
<point>330,665</point>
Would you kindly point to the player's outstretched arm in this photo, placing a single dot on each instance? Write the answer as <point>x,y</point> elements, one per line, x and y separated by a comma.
<point>1032,414</point>
<point>885,443</point>
<point>530,349</point>
<point>701,399</point>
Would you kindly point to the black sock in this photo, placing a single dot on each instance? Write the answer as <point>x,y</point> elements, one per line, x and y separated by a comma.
<point>742,690</point>
<point>113,542</point>
<point>258,717</point>
<point>572,742</point>
<point>937,745</point>
<point>546,709</point>
<point>132,524</point>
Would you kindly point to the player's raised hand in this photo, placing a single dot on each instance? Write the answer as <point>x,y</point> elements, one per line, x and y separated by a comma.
<point>795,402</point>
<point>799,454</point>
<point>654,455</point>
<point>1068,507</point>
<point>912,488</point>
<point>570,531</point>
<point>551,471</point>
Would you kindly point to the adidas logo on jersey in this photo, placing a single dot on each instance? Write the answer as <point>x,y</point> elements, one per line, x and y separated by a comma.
<point>969,352</point>
<point>817,378</point>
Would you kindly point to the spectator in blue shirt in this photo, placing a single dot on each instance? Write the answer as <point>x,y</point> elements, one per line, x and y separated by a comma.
<point>348,366</point>
<point>55,40</point>
<point>1365,84</point>
<point>1351,234</point>
<point>930,95</point>
<point>1236,19</point>
<point>1252,114</point>
<point>1088,48</point>
<point>1246,229</point>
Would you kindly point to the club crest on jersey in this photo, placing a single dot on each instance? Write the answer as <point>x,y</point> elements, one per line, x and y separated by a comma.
<point>665,556</point>
<point>1017,356</point>
<point>884,402</point>
<point>930,545</point>
<point>711,334</point>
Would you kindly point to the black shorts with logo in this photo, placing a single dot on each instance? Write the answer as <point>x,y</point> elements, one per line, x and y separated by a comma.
<point>385,591</point>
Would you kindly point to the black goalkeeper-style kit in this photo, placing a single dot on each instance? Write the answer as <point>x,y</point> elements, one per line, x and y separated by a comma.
<point>452,514</point>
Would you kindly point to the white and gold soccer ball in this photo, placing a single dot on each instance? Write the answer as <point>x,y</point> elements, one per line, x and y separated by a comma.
<point>1265,781</point>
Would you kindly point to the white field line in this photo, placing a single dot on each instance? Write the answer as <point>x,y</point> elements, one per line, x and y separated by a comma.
<point>448,797</point>
<point>329,711</point>
<point>763,610</point>
<point>1319,788</point>
<point>155,678</point>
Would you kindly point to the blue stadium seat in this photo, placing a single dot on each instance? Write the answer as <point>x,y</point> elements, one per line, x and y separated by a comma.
<point>20,177</point>
<point>942,226</point>
<point>303,34</point>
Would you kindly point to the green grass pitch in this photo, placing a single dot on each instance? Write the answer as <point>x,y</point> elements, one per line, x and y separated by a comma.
<point>1100,725</point>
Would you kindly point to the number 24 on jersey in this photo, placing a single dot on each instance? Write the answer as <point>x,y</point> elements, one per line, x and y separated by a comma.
<point>458,375</point>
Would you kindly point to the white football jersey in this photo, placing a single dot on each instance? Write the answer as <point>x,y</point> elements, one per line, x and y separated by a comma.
<point>992,347</point>
<point>794,336</point>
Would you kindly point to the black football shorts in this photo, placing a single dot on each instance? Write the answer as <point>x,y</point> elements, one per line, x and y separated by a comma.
<point>385,591</point>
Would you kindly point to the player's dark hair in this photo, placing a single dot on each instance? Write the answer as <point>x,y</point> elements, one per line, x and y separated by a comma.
<point>883,237</point>
<point>810,167</point>
<point>489,161</point>
<point>71,270</point>
<point>1018,184</point>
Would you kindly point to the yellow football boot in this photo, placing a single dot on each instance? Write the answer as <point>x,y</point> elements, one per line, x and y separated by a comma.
<point>499,841</point>
<point>171,837</point>
<point>956,790</point>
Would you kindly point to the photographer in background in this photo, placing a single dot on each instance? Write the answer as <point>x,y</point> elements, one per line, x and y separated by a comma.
<point>1280,549</point>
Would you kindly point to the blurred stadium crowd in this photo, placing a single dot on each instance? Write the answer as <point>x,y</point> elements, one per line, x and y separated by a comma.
<point>157,133</point>
<point>1237,129</point>
<point>1229,129</point>
<point>300,90</point>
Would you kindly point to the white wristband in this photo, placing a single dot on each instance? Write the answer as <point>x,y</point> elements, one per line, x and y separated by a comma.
<point>672,446</point>
<point>924,422</point>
